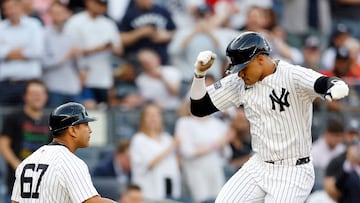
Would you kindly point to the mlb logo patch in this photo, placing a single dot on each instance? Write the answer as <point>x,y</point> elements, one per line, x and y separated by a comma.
<point>217,85</point>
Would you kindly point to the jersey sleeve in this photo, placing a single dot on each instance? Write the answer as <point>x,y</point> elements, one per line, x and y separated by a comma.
<point>78,180</point>
<point>305,79</point>
<point>226,92</point>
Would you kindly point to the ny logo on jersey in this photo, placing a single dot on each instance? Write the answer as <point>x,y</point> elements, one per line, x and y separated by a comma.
<point>282,100</point>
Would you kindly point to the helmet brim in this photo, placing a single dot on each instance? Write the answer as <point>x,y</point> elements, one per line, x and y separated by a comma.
<point>236,68</point>
<point>84,120</point>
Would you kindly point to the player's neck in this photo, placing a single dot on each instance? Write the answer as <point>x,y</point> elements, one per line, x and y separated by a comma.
<point>65,143</point>
<point>270,68</point>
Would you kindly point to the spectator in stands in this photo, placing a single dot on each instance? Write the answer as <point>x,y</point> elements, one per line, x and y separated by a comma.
<point>311,53</point>
<point>76,6</point>
<point>116,9</point>
<point>41,7</point>
<point>335,167</point>
<point>99,40</point>
<point>117,165</point>
<point>277,38</point>
<point>342,69</point>
<point>154,164</point>
<point>147,25</point>
<point>203,150</point>
<point>132,194</point>
<point>189,41</point>
<point>26,130</point>
<point>326,147</point>
<point>22,46</point>
<point>255,20</point>
<point>347,13</point>
<point>62,60</point>
<point>337,38</point>
<point>125,92</point>
<point>240,140</point>
<point>353,45</point>
<point>180,11</point>
<point>28,9</point>
<point>157,83</point>
<point>348,181</point>
<point>303,18</point>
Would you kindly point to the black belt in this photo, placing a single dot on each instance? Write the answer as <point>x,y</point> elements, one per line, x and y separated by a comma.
<point>300,161</point>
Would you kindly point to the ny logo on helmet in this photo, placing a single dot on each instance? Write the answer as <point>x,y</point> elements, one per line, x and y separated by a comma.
<point>282,100</point>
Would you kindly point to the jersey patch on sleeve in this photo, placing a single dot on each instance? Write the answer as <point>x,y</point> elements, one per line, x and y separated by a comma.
<point>217,85</point>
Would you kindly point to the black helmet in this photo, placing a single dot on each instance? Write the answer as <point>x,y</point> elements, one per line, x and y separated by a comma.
<point>243,49</point>
<point>67,115</point>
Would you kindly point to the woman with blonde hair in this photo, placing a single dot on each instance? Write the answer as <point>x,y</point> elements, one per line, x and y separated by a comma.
<point>153,157</point>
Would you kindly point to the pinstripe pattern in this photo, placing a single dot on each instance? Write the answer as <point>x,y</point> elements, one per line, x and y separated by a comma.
<point>67,178</point>
<point>279,109</point>
<point>258,181</point>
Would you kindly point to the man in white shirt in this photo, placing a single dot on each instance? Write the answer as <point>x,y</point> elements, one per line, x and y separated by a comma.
<point>99,40</point>
<point>21,47</point>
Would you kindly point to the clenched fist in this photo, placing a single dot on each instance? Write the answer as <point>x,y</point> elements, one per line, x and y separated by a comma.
<point>203,62</point>
<point>338,90</point>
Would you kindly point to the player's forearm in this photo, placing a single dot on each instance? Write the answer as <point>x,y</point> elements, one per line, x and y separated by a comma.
<point>200,102</point>
<point>98,199</point>
<point>198,88</point>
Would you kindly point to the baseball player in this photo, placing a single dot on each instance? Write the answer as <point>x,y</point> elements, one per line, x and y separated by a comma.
<point>277,99</point>
<point>53,173</point>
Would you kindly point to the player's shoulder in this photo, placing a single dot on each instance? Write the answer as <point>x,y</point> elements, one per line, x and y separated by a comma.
<point>33,156</point>
<point>232,79</point>
<point>230,83</point>
<point>62,154</point>
<point>286,67</point>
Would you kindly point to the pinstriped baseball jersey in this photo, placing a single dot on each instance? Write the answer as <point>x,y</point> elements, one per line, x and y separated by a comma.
<point>279,109</point>
<point>52,174</point>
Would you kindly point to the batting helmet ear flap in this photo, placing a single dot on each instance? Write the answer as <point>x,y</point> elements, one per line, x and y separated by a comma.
<point>242,49</point>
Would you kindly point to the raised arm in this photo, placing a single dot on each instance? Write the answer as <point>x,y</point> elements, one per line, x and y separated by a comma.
<point>201,104</point>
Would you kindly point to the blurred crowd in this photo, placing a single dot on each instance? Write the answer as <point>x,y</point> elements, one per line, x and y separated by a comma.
<point>139,54</point>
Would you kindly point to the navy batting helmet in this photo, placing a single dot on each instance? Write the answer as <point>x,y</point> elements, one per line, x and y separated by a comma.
<point>67,115</point>
<point>244,48</point>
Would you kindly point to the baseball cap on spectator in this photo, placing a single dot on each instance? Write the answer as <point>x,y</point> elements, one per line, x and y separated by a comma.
<point>312,42</point>
<point>353,126</point>
<point>203,9</point>
<point>341,29</point>
<point>342,53</point>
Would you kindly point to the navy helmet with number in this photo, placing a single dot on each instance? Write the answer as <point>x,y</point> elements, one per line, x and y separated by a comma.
<point>242,49</point>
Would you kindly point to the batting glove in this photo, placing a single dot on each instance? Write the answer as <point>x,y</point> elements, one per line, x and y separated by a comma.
<point>203,62</point>
<point>339,90</point>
